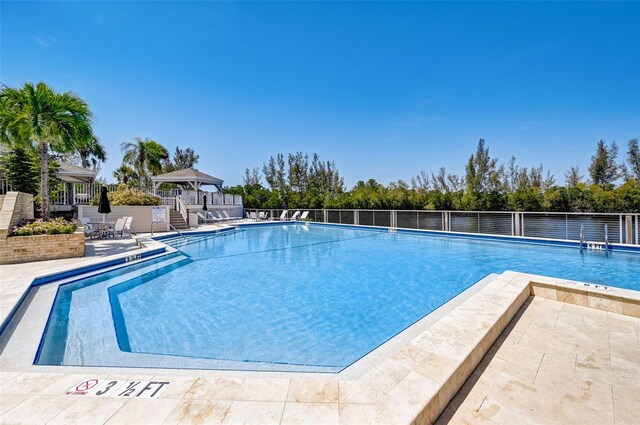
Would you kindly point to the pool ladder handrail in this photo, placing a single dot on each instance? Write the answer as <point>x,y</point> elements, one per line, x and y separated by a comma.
<point>174,228</point>
<point>581,236</point>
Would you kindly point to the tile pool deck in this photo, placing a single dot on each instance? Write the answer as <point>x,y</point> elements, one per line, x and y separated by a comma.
<point>412,384</point>
<point>556,363</point>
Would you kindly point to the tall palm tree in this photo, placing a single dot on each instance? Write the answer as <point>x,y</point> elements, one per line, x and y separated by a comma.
<point>92,153</point>
<point>145,156</point>
<point>41,118</point>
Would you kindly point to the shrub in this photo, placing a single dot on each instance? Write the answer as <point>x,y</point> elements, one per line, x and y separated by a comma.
<point>55,226</point>
<point>127,196</point>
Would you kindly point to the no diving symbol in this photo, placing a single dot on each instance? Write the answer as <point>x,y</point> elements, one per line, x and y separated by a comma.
<point>86,385</point>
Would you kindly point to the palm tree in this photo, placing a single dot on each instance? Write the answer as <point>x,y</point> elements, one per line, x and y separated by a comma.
<point>145,156</point>
<point>125,174</point>
<point>92,153</point>
<point>38,117</point>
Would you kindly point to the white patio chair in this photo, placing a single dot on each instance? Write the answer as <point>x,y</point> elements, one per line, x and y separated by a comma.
<point>204,219</point>
<point>283,216</point>
<point>304,216</point>
<point>128,226</point>
<point>89,230</point>
<point>117,228</point>
<point>295,216</point>
<point>226,215</point>
<point>212,217</point>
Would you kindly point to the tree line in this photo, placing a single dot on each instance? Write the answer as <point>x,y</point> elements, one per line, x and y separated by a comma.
<point>296,181</point>
<point>42,127</point>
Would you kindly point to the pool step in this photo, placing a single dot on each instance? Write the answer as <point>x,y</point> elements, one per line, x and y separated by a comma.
<point>153,265</point>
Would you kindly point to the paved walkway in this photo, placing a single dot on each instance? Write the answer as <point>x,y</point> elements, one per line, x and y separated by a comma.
<point>556,363</point>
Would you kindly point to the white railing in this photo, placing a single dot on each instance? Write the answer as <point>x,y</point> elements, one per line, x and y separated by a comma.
<point>191,197</point>
<point>83,193</point>
<point>182,208</point>
<point>77,193</point>
<point>622,227</point>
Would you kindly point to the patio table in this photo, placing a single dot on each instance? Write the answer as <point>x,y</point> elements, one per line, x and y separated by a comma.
<point>102,226</point>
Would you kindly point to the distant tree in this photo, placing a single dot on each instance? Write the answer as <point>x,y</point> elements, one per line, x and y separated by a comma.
<point>125,174</point>
<point>21,169</point>
<point>145,156</point>
<point>184,158</point>
<point>276,177</point>
<point>421,182</point>
<point>92,154</point>
<point>573,176</point>
<point>251,177</point>
<point>633,159</point>
<point>604,169</point>
<point>298,171</point>
<point>484,181</point>
<point>37,116</point>
<point>440,182</point>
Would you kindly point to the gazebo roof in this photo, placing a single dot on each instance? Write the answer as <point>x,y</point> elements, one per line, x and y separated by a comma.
<point>74,174</point>
<point>190,176</point>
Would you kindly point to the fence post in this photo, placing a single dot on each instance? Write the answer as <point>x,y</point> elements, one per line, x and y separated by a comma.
<point>628,229</point>
<point>517,230</point>
<point>356,217</point>
<point>324,216</point>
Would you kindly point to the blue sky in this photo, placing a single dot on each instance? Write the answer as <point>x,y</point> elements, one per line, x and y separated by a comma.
<point>384,89</point>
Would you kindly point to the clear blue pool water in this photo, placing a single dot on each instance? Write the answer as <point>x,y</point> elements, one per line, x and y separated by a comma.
<point>314,296</point>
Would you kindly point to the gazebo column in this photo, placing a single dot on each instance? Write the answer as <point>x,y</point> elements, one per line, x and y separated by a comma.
<point>196,187</point>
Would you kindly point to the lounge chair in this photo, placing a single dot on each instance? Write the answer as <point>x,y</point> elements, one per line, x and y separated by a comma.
<point>117,228</point>
<point>220,216</point>
<point>295,216</point>
<point>247,215</point>
<point>304,216</point>
<point>254,216</point>
<point>263,215</point>
<point>128,226</point>
<point>203,218</point>
<point>283,216</point>
<point>213,217</point>
<point>226,215</point>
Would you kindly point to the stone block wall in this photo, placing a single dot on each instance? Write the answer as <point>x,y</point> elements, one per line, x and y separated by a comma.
<point>18,206</point>
<point>24,249</point>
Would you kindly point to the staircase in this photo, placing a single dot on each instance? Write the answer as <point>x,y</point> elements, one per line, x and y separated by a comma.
<point>176,220</point>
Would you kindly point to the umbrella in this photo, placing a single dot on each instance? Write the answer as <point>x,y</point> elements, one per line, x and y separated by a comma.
<point>103,206</point>
<point>204,202</point>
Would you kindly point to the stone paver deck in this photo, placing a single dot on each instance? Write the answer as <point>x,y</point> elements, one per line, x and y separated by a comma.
<point>556,363</point>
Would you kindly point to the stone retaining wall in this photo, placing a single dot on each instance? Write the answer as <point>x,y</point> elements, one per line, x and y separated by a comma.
<point>18,206</point>
<point>23,249</point>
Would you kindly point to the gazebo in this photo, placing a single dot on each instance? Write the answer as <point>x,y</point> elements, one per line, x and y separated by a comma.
<point>78,182</point>
<point>73,174</point>
<point>189,178</point>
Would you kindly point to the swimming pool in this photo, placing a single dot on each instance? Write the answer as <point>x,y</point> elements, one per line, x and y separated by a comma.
<point>290,296</point>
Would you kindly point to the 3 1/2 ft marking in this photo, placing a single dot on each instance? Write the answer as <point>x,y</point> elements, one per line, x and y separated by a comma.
<point>118,388</point>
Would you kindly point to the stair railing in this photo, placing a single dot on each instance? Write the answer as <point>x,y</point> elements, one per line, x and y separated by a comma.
<point>182,208</point>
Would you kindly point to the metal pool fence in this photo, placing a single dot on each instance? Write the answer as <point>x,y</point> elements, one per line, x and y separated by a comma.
<point>620,227</point>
